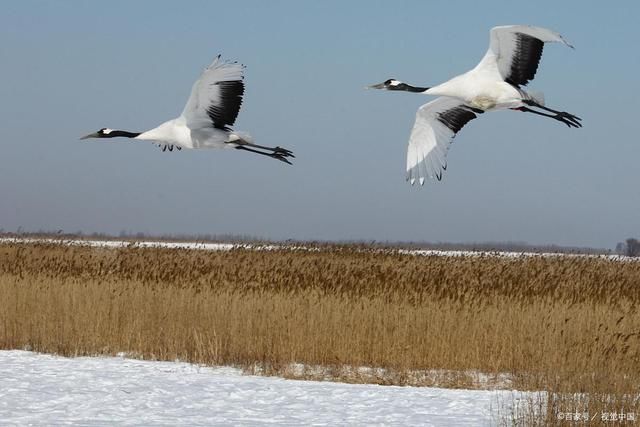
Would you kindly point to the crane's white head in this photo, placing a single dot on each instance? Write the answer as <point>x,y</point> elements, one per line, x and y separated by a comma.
<point>393,84</point>
<point>390,84</point>
<point>102,133</point>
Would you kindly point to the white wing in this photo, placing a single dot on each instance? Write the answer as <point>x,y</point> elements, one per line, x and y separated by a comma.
<point>515,51</point>
<point>216,96</point>
<point>437,123</point>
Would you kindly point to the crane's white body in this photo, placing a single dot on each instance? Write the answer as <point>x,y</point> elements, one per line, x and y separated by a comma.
<point>494,84</point>
<point>177,132</point>
<point>476,91</point>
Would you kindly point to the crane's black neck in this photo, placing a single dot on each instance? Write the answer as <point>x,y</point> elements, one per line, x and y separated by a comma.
<point>410,88</point>
<point>122,133</point>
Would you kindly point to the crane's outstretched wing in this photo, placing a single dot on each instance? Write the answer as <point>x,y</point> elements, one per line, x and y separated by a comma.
<point>437,123</point>
<point>216,96</point>
<point>515,51</point>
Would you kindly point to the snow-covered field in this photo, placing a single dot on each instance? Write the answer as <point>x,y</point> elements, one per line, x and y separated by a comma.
<point>230,246</point>
<point>50,390</point>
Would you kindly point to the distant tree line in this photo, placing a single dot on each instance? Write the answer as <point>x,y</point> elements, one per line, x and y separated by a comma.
<point>630,247</point>
<point>509,246</point>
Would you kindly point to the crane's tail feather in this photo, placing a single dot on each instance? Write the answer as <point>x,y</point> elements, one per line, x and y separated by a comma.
<point>536,96</point>
<point>239,137</point>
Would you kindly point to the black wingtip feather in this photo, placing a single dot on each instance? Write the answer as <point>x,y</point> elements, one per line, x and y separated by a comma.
<point>224,113</point>
<point>526,58</point>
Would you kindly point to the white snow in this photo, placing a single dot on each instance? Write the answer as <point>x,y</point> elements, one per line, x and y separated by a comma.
<point>230,246</point>
<point>50,390</point>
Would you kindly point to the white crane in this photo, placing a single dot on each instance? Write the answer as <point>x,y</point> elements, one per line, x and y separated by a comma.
<point>494,84</point>
<point>212,108</point>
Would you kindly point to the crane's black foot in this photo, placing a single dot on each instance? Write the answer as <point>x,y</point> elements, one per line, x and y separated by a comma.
<point>562,116</point>
<point>277,153</point>
<point>281,157</point>
<point>568,119</point>
<point>283,152</point>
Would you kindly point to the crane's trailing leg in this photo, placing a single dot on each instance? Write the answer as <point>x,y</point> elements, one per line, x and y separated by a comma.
<point>278,150</point>
<point>566,118</point>
<point>274,154</point>
<point>562,116</point>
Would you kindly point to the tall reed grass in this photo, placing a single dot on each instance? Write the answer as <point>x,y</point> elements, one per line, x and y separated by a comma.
<point>567,326</point>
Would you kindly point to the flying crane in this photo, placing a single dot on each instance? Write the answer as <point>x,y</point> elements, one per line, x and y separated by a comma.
<point>496,83</point>
<point>207,118</point>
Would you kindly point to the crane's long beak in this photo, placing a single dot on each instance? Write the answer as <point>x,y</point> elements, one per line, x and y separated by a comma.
<point>91,135</point>
<point>378,86</point>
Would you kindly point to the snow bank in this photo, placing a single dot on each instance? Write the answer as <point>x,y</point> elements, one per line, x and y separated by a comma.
<point>45,390</point>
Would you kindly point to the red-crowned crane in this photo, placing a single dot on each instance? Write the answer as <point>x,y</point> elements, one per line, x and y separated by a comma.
<point>207,118</point>
<point>494,84</point>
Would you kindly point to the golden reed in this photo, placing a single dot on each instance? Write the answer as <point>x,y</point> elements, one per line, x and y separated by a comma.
<point>562,324</point>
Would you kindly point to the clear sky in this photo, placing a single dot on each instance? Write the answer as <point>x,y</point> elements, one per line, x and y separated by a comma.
<point>71,67</point>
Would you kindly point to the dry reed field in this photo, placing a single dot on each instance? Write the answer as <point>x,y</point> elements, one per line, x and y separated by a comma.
<point>566,326</point>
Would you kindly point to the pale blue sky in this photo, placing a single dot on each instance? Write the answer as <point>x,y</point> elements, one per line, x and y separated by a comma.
<point>71,67</point>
